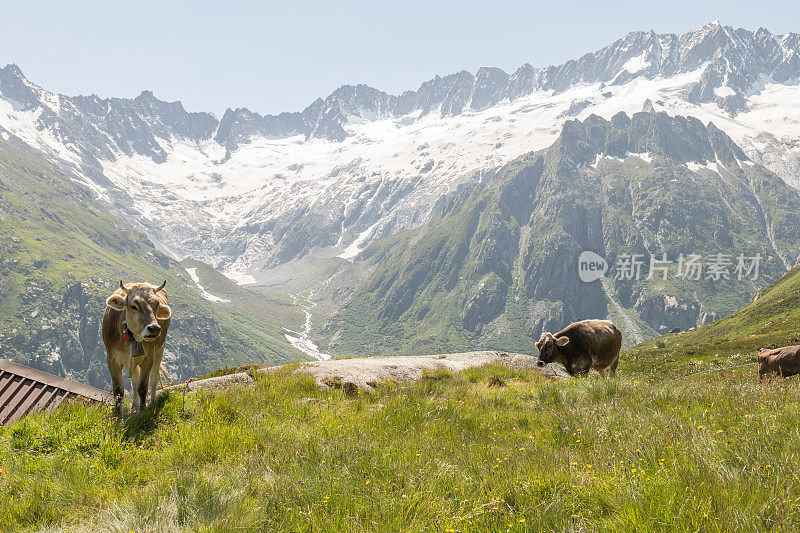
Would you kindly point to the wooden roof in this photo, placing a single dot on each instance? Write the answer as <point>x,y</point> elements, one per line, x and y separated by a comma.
<point>25,391</point>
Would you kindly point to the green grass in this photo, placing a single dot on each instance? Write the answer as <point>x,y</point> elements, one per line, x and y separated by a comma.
<point>228,371</point>
<point>489,449</point>
<point>772,320</point>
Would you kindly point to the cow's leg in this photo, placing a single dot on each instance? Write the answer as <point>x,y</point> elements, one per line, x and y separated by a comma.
<point>154,376</point>
<point>150,369</point>
<point>612,369</point>
<point>581,366</point>
<point>155,368</point>
<point>117,388</point>
<point>144,380</point>
<point>602,372</point>
<point>136,381</point>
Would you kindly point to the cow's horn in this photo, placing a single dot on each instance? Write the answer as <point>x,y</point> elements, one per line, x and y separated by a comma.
<point>161,286</point>
<point>121,286</point>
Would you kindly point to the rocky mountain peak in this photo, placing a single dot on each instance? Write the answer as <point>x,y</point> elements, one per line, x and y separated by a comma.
<point>732,62</point>
<point>501,256</point>
<point>712,26</point>
<point>145,96</point>
<point>678,139</point>
<point>392,177</point>
<point>15,87</point>
<point>12,69</point>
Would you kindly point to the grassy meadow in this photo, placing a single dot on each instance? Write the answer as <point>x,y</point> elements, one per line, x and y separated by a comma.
<point>488,449</point>
<point>772,320</point>
<point>672,443</point>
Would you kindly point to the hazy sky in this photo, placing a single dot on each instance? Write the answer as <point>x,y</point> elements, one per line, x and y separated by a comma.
<point>280,56</point>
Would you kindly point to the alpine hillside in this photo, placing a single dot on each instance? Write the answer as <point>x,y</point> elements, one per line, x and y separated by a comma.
<point>61,256</point>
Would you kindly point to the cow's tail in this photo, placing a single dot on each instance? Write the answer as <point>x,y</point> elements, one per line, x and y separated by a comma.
<point>164,379</point>
<point>617,338</point>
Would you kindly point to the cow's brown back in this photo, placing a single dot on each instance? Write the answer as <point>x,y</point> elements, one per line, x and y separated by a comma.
<point>599,339</point>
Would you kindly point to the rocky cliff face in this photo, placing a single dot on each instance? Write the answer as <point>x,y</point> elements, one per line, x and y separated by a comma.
<point>62,333</point>
<point>498,264</point>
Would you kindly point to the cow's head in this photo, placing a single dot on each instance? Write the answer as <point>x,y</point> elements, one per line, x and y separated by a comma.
<point>144,307</point>
<point>549,347</point>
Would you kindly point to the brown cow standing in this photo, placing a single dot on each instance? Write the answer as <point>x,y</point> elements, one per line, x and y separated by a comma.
<point>582,346</point>
<point>782,361</point>
<point>135,325</point>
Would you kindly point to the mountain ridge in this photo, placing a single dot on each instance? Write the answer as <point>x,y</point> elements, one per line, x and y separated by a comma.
<point>247,193</point>
<point>774,56</point>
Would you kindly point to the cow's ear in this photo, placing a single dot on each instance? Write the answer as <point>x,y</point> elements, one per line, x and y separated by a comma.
<point>116,302</point>
<point>562,341</point>
<point>163,312</point>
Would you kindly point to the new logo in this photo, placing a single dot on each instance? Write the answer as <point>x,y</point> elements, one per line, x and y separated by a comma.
<point>591,266</point>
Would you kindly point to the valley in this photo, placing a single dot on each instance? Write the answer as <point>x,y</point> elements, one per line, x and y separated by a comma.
<point>371,223</point>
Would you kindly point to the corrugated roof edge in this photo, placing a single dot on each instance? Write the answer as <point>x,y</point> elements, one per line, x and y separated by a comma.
<point>55,381</point>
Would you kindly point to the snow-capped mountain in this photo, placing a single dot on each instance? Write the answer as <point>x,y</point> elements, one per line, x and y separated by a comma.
<point>496,264</point>
<point>247,192</point>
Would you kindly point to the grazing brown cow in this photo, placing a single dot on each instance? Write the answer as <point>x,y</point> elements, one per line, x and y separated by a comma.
<point>135,325</point>
<point>782,361</point>
<point>582,346</point>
